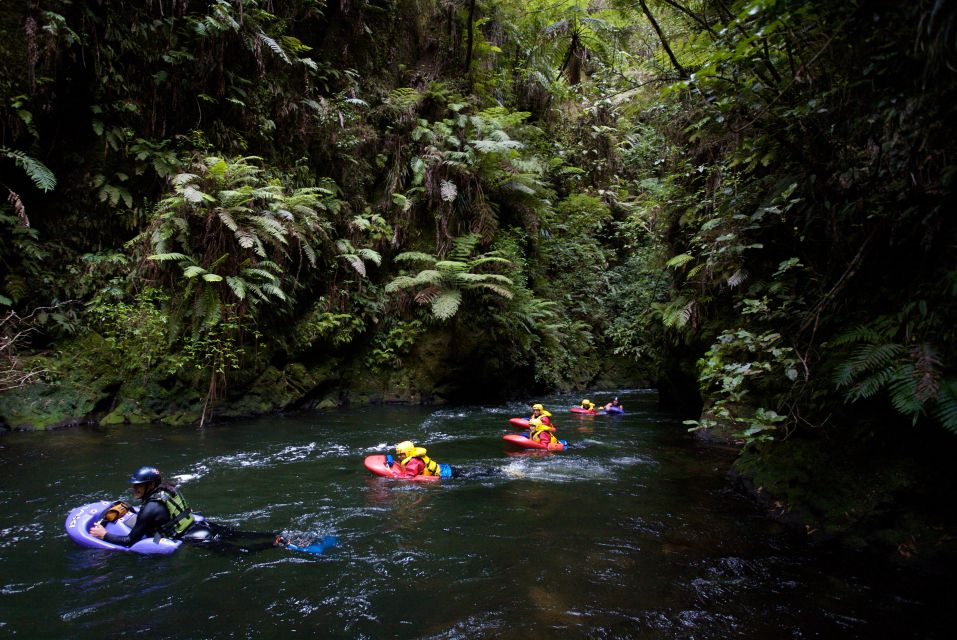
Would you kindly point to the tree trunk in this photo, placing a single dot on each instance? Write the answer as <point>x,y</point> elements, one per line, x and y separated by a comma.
<point>664,43</point>
<point>468,48</point>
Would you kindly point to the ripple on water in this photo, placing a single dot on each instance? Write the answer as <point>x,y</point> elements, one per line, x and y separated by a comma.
<point>556,468</point>
<point>15,588</point>
<point>28,533</point>
<point>628,461</point>
<point>259,459</point>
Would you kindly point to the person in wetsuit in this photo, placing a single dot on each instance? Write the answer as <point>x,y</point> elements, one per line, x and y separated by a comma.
<point>165,512</point>
<point>615,405</point>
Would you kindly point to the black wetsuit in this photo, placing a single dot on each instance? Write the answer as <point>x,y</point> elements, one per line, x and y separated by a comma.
<point>153,515</point>
<point>149,520</point>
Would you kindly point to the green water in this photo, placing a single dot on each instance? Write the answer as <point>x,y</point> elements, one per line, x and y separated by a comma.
<point>633,532</point>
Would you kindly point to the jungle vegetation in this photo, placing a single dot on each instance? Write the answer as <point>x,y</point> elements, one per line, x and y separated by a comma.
<point>232,206</point>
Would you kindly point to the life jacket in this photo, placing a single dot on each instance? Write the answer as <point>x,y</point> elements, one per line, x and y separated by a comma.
<point>544,429</point>
<point>431,466</point>
<point>180,515</point>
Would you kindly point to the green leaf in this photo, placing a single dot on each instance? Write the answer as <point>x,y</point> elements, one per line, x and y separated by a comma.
<point>166,257</point>
<point>679,260</point>
<point>193,270</point>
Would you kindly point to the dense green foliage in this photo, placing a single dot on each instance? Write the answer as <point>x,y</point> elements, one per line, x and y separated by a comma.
<point>744,201</point>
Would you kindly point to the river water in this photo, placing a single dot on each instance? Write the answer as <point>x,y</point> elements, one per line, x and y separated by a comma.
<point>633,532</point>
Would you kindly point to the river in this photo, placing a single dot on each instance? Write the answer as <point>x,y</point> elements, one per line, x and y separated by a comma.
<point>634,532</point>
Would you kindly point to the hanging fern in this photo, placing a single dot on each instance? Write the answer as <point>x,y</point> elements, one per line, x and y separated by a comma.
<point>38,172</point>
<point>911,376</point>
<point>946,407</point>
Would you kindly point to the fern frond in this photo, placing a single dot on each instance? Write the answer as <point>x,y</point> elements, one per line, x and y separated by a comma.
<point>427,295</point>
<point>371,255</point>
<point>881,329</point>
<point>414,256</point>
<point>183,178</point>
<point>446,304</point>
<point>869,357</point>
<point>489,259</point>
<point>497,289</point>
<point>310,253</point>
<point>946,407</point>
<point>463,246</point>
<point>429,277</point>
<point>679,260</point>
<point>207,308</point>
<point>737,278</point>
<point>193,270</point>
<point>238,286</point>
<point>356,263</point>
<point>495,146</point>
<point>448,191</point>
<point>272,44</point>
<point>227,219</point>
<point>398,283</point>
<point>245,238</point>
<point>870,385</point>
<point>451,266</point>
<point>903,392</point>
<point>271,226</point>
<point>38,172</point>
<point>261,274</point>
<point>275,291</point>
<point>166,257</point>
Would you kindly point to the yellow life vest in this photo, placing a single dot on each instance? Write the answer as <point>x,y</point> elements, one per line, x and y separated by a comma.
<point>431,466</point>
<point>544,427</point>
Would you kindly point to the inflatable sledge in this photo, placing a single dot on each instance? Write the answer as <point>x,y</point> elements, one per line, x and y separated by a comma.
<point>584,412</point>
<point>612,411</point>
<point>519,422</point>
<point>79,521</point>
<point>378,465</point>
<point>528,443</point>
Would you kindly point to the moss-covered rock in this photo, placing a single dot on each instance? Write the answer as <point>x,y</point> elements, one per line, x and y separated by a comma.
<point>279,389</point>
<point>77,383</point>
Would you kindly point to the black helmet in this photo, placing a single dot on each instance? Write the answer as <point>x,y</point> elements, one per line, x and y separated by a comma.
<point>146,474</point>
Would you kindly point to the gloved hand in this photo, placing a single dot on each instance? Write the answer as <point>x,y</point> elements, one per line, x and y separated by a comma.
<point>389,459</point>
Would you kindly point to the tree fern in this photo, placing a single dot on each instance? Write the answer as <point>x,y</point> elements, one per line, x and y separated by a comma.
<point>444,283</point>
<point>228,220</point>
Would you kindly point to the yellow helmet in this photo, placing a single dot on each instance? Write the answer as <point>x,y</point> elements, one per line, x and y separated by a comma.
<point>537,406</point>
<point>586,401</point>
<point>534,422</point>
<point>405,448</point>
